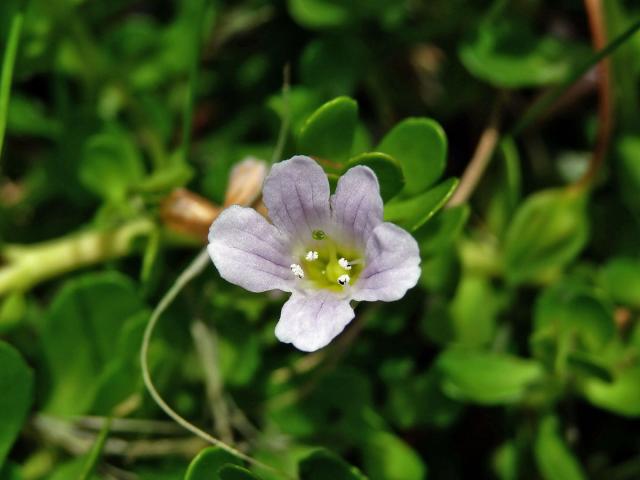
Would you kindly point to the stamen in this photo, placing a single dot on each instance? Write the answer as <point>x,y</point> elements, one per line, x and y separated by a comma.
<point>297,270</point>
<point>311,255</point>
<point>344,263</point>
<point>344,279</point>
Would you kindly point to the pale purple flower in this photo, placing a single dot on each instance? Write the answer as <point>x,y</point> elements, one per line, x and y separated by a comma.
<point>325,250</point>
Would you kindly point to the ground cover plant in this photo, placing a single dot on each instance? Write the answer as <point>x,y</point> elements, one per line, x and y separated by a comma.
<point>446,191</point>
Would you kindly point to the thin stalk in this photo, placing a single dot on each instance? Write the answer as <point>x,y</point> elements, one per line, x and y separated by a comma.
<point>480,159</point>
<point>96,452</point>
<point>546,101</point>
<point>605,103</point>
<point>8,62</point>
<point>205,342</point>
<point>286,115</point>
<point>193,270</point>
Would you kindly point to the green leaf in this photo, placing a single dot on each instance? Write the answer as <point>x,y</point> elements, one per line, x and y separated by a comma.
<point>172,176</point>
<point>325,414</point>
<point>27,117</point>
<point>319,14</point>
<point>620,277</point>
<point>329,131</point>
<point>474,310</point>
<point>555,460</point>
<point>570,314</point>
<point>442,230</point>
<point>417,400</point>
<point>411,214</point>
<point>85,318</point>
<point>505,461</point>
<point>628,150</point>
<point>420,145</point>
<point>487,378</point>
<point>208,463</point>
<point>387,457</point>
<point>325,465</point>
<point>110,165</point>
<point>386,168</point>
<point>233,472</point>
<point>16,385</point>
<point>622,396</point>
<point>501,187</point>
<point>506,54</point>
<point>548,232</point>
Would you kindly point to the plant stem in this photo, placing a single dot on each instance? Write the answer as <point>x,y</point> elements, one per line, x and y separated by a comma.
<point>96,452</point>
<point>605,104</point>
<point>6,77</point>
<point>205,343</point>
<point>28,265</point>
<point>193,270</point>
<point>479,161</point>
<point>546,101</point>
<point>286,116</point>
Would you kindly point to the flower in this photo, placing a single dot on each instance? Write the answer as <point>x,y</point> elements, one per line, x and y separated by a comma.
<point>325,250</point>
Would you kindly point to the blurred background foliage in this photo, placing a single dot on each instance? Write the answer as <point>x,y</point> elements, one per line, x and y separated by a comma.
<point>513,160</point>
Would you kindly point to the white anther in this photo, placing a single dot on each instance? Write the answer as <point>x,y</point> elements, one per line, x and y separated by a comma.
<point>344,263</point>
<point>297,270</point>
<point>344,279</point>
<point>311,255</point>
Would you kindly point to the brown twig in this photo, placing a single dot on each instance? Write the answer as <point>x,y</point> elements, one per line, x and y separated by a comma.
<point>480,159</point>
<point>605,105</point>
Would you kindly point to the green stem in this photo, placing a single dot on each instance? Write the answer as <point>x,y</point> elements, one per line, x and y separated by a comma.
<point>96,452</point>
<point>286,116</point>
<point>29,265</point>
<point>553,95</point>
<point>8,63</point>
<point>193,270</point>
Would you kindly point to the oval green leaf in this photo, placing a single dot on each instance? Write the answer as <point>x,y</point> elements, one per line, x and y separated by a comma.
<point>387,457</point>
<point>622,396</point>
<point>548,231</point>
<point>324,465</point>
<point>16,385</point>
<point>420,145</point>
<point>620,277</point>
<point>555,460</point>
<point>487,378</point>
<point>507,54</point>
<point>386,168</point>
<point>110,165</point>
<point>207,464</point>
<point>234,472</point>
<point>412,213</point>
<point>329,131</point>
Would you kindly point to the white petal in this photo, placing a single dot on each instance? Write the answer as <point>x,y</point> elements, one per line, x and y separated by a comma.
<point>296,193</point>
<point>357,206</point>
<point>249,251</point>
<point>311,321</point>
<point>393,265</point>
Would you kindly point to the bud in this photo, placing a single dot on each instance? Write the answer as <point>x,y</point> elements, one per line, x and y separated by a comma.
<point>187,213</point>
<point>245,182</point>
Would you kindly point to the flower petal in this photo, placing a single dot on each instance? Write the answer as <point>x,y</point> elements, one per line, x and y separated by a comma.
<point>357,205</point>
<point>393,265</point>
<point>249,251</point>
<point>296,193</point>
<point>311,321</point>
